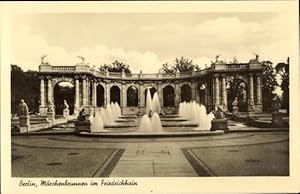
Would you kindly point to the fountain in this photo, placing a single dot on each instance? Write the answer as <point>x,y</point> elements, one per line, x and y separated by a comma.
<point>145,125</point>
<point>155,103</point>
<point>197,114</point>
<point>192,119</point>
<point>156,123</point>
<point>97,123</point>
<point>150,121</point>
<point>148,102</point>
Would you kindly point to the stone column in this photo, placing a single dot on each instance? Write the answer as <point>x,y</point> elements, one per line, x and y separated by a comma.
<point>217,92</point>
<point>258,93</point>
<point>141,93</point>
<point>194,90</point>
<point>251,94</point>
<point>77,100</point>
<point>42,91</point>
<point>94,94</point>
<point>177,94</point>
<point>123,96</point>
<point>224,93</point>
<point>258,89</point>
<point>84,92</point>
<point>107,93</point>
<point>42,107</point>
<point>50,89</point>
<point>251,91</point>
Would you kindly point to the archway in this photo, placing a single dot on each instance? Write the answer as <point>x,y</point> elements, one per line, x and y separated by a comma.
<point>63,91</point>
<point>100,95</point>
<point>152,91</point>
<point>132,96</point>
<point>115,94</point>
<point>186,93</point>
<point>237,88</point>
<point>168,95</point>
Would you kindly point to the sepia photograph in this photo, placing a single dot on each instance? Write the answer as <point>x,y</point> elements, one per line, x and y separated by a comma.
<point>122,95</point>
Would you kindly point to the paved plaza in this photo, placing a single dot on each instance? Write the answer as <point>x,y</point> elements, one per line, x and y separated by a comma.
<point>231,154</point>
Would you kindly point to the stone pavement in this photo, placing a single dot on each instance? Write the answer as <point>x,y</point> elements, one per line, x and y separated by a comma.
<point>234,154</point>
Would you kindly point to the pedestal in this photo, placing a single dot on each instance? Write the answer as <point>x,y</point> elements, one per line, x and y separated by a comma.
<point>219,124</point>
<point>277,120</point>
<point>235,109</point>
<point>24,124</point>
<point>66,113</point>
<point>82,126</point>
<point>51,118</point>
<point>43,110</point>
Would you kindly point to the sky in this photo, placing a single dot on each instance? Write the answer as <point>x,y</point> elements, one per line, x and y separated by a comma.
<point>145,41</point>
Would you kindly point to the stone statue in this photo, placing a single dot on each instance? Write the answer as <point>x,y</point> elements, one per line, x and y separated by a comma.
<point>219,113</point>
<point>235,108</point>
<point>82,115</point>
<point>50,106</point>
<point>23,108</point>
<point>66,106</point>
<point>217,57</point>
<point>42,60</point>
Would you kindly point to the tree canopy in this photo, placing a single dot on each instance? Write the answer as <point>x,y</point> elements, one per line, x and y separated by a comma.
<point>269,84</point>
<point>180,65</point>
<point>24,85</point>
<point>116,66</point>
<point>283,70</point>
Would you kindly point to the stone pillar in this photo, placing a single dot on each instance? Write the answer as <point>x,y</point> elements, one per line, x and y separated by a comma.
<point>217,92</point>
<point>42,91</point>
<point>251,94</point>
<point>258,107</point>
<point>251,91</point>
<point>160,93</point>
<point>94,94</point>
<point>84,92</point>
<point>194,91</point>
<point>43,107</point>
<point>77,99</point>
<point>107,93</point>
<point>50,89</point>
<point>141,94</point>
<point>177,94</point>
<point>123,96</point>
<point>224,93</point>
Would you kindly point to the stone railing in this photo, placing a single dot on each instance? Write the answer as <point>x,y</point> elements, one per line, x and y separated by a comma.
<point>87,69</point>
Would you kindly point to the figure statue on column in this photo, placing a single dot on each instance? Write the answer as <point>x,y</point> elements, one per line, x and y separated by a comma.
<point>235,108</point>
<point>50,106</point>
<point>23,108</point>
<point>66,111</point>
<point>24,118</point>
<point>251,105</point>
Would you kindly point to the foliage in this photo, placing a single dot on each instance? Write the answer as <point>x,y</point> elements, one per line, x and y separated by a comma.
<point>283,70</point>
<point>24,85</point>
<point>116,66</point>
<point>268,84</point>
<point>181,65</point>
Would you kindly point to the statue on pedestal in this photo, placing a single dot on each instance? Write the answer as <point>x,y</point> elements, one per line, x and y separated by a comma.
<point>50,106</point>
<point>24,118</point>
<point>235,108</point>
<point>23,108</point>
<point>220,122</point>
<point>66,111</point>
<point>82,115</point>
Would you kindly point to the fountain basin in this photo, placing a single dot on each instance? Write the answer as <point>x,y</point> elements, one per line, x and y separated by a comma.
<point>151,134</point>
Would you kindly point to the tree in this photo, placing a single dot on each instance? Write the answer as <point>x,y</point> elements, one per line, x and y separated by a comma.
<point>268,84</point>
<point>283,70</point>
<point>116,66</point>
<point>24,85</point>
<point>181,65</point>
